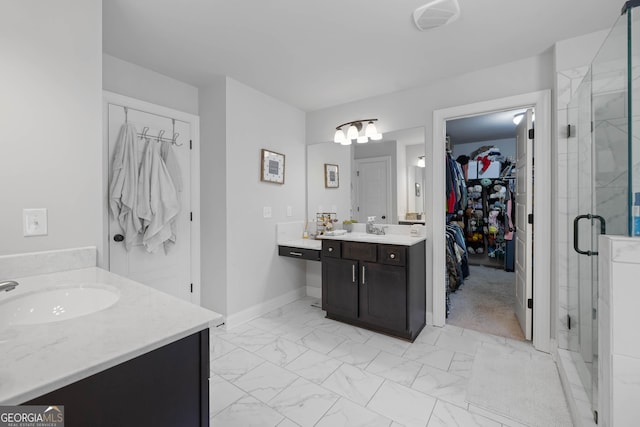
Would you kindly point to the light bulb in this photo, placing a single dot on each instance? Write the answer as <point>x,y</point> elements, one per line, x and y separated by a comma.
<point>339,137</point>
<point>352,132</point>
<point>370,130</point>
<point>376,137</point>
<point>518,118</point>
<point>362,139</point>
<point>346,141</point>
<point>421,162</point>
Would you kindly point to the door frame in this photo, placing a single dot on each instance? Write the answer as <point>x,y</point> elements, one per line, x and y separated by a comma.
<point>111,98</point>
<point>435,207</point>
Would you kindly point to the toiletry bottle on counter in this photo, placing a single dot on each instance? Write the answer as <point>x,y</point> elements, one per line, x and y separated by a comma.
<point>636,215</point>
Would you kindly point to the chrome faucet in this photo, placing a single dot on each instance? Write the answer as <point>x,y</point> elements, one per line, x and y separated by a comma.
<point>372,229</point>
<point>8,285</point>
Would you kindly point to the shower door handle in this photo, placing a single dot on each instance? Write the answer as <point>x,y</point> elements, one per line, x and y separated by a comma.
<point>603,230</point>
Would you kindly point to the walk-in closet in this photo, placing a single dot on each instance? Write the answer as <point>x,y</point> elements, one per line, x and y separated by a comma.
<point>481,180</point>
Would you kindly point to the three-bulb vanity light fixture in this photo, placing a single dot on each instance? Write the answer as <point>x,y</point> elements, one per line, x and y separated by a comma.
<point>353,132</point>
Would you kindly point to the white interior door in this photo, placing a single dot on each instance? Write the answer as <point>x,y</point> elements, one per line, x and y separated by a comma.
<point>373,180</point>
<point>169,271</point>
<point>524,230</point>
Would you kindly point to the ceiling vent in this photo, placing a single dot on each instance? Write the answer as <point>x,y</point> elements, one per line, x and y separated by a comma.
<point>436,14</point>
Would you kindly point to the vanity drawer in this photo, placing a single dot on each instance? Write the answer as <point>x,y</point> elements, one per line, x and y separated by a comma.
<point>359,251</point>
<point>290,251</point>
<point>392,255</point>
<point>331,248</point>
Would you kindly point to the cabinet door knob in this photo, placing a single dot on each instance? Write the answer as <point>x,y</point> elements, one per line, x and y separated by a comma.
<point>118,238</point>
<point>392,256</point>
<point>330,249</point>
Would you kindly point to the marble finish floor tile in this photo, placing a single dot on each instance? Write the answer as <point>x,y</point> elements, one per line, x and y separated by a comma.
<point>235,364</point>
<point>248,337</point>
<point>281,351</point>
<point>461,365</point>
<point>403,405</point>
<point>321,341</point>
<point>458,343</point>
<point>395,368</point>
<point>248,411</point>
<point>389,344</point>
<point>314,366</point>
<point>304,402</point>
<point>443,385</point>
<point>447,415</point>
<point>222,394</point>
<point>265,381</point>
<point>354,353</point>
<point>293,367</point>
<point>347,414</point>
<point>430,355</point>
<point>353,383</point>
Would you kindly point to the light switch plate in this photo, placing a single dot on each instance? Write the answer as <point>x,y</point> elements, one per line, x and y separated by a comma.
<point>266,212</point>
<point>34,222</point>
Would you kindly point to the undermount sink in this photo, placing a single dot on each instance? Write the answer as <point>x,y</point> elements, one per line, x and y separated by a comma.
<point>56,304</point>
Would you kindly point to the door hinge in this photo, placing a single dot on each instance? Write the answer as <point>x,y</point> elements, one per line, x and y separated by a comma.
<point>594,313</point>
<point>595,416</point>
<point>568,131</point>
<point>357,173</point>
<point>530,219</point>
<point>190,216</point>
<point>190,144</point>
<point>530,303</point>
<point>531,133</point>
<point>191,288</point>
<point>568,322</point>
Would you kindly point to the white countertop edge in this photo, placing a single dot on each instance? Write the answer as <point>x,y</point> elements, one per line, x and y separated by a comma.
<point>63,381</point>
<point>38,359</point>
<point>303,244</point>
<point>385,239</point>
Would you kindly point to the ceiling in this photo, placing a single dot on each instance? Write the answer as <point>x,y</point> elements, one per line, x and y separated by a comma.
<point>485,127</point>
<point>318,54</point>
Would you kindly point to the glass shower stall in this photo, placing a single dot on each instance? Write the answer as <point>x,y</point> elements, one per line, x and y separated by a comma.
<point>603,178</point>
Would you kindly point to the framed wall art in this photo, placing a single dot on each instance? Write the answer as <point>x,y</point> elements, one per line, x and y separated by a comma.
<point>331,176</point>
<point>271,166</point>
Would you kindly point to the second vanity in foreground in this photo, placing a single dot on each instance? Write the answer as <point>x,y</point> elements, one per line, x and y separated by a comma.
<point>376,282</point>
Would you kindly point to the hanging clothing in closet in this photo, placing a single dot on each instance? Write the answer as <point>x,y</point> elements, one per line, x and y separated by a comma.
<point>456,186</point>
<point>457,260</point>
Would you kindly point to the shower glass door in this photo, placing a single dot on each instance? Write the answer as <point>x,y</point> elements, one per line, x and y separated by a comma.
<point>598,183</point>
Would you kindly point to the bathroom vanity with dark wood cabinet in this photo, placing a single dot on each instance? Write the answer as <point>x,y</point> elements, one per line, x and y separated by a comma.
<point>375,286</point>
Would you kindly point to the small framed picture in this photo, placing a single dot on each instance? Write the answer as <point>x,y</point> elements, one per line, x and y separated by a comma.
<point>331,176</point>
<point>271,167</point>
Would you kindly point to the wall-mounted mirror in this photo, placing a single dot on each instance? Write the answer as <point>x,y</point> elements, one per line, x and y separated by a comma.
<point>381,179</point>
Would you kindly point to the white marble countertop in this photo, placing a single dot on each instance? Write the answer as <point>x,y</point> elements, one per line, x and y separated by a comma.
<point>303,244</point>
<point>37,359</point>
<point>389,239</point>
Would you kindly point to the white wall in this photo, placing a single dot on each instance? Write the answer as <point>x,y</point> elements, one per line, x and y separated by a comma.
<point>415,107</point>
<point>233,198</point>
<point>50,121</point>
<point>320,198</point>
<point>213,195</point>
<point>132,80</point>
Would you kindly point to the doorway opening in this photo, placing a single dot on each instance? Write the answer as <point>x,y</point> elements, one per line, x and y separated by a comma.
<point>482,193</point>
<point>542,302</point>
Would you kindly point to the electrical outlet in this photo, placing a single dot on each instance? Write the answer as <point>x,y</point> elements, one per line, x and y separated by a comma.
<point>34,222</point>
<point>266,212</point>
<point>289,211</point>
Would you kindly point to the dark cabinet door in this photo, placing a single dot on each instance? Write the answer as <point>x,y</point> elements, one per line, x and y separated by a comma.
<point>383,295</point>
<point>340,287</point>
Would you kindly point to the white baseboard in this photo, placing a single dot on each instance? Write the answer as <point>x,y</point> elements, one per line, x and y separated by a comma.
<point>314,292</point>
<point>258,310</point>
